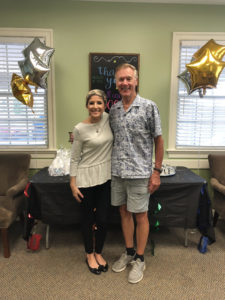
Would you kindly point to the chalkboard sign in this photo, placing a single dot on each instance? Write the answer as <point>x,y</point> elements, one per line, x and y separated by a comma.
<point>102,73</point>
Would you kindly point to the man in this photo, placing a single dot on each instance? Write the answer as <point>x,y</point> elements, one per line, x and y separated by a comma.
<point>136,126</point>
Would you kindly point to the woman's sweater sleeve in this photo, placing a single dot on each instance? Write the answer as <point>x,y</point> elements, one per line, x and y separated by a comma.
<point>75,152</point>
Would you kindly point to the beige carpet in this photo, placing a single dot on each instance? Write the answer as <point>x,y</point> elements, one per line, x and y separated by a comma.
<point>174,272</point>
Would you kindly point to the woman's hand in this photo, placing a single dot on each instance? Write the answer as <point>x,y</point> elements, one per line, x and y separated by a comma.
<point>75,190</point>
<point>77,194</point>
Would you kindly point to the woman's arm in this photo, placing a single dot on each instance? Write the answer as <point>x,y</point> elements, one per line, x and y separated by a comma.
<point>74,161</point>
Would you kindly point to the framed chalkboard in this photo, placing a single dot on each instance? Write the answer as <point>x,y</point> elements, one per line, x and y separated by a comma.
<point>102,72</point>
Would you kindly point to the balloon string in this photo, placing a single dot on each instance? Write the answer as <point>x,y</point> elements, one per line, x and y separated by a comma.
<point>202,92</point>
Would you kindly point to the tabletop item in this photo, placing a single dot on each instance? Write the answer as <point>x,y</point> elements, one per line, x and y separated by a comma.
<point>61,164</point>
<point>168,170</point>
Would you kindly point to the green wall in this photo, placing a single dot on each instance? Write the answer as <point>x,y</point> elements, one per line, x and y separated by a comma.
<point>83,27</point>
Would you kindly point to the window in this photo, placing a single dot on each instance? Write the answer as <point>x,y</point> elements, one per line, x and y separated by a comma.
<point>196,124</point>
<point>20,128</point>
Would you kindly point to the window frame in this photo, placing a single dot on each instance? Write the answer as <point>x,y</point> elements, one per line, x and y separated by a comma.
<point>38,153</point>
<point>183,152</point>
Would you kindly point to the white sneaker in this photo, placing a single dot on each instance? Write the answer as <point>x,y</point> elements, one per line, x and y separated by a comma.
<point>136,273</point>
<point>122,262</point>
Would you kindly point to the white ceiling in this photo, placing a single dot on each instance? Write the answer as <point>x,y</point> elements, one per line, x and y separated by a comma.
<point>203,2</point>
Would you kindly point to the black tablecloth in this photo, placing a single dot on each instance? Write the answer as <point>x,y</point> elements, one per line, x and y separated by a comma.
<point>183,199</point>
<point>179,197</point>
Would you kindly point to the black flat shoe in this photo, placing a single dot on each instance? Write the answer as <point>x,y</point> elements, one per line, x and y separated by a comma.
<point>103,268</point>
<point>95,271</point>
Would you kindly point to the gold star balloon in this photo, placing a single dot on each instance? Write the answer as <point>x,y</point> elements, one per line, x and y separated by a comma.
<point>218,51</point>
<point>205,70</point>
<point>21,90</point>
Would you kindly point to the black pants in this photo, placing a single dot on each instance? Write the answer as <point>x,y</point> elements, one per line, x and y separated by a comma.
<point>95,207</point>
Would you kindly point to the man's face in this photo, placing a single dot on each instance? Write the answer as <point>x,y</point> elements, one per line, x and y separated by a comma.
<point>126,83</point>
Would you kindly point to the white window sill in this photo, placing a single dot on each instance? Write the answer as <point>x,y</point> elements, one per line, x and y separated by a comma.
<point>193,159</point>
<point>40,158</point>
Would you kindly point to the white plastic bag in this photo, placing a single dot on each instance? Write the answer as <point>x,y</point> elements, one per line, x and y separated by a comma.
<point>61,164</point>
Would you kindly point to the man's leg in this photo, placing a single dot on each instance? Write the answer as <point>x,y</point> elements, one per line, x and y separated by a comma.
<point>142,231</point>
<point>119,198</point>
<point>127,224</point>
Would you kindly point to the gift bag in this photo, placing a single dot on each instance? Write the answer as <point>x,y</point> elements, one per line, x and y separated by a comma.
<point>61,164</point>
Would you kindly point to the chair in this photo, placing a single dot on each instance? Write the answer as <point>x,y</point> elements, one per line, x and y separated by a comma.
<point>217,167</point>
<point>14,169</point>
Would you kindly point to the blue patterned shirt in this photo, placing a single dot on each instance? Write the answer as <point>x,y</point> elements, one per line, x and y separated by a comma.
<point>134,132</point>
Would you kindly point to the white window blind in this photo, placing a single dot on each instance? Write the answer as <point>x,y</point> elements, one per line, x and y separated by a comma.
<point>200,121</point>
<point>19,126</point>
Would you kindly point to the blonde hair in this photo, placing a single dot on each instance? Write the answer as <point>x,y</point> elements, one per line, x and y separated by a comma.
<point>126,65</point>
<point>96,92</point>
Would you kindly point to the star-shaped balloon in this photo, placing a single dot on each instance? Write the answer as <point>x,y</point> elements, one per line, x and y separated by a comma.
<point>40,50</point>
<point>37,62</point>
<point>205,71</point>
<point>218,51</point>
<point>186,78</point>
<point>21,90</point>
<point>36,70</point>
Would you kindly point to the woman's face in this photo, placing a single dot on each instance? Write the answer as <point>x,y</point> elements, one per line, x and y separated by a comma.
<point>96,107</point>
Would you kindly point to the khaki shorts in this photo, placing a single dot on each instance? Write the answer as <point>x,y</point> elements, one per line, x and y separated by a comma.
<point>132,192</point>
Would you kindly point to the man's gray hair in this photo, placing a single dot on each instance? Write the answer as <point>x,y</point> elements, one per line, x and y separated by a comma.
<point>125,66</point>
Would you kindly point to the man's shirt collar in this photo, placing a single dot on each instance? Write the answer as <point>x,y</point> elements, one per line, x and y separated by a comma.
<point>136,103</point>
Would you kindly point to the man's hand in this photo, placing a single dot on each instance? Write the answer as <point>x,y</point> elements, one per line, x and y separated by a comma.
<point>154,182</point>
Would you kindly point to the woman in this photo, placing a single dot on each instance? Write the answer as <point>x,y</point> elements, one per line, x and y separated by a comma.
<point>90,174</point>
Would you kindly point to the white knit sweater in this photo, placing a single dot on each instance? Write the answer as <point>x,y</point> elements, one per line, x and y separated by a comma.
<point>91,153</point>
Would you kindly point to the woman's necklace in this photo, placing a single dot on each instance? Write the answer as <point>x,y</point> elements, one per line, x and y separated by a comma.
<point>97,125</point>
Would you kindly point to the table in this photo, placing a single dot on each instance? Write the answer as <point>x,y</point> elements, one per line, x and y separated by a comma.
<point>183,198</point>
<point>179,197</point>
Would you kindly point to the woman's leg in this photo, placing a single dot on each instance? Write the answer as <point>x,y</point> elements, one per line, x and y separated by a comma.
<point>88,218</point>
<point>102,201</point>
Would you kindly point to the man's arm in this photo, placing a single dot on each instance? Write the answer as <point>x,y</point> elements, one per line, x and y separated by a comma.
<point>159,151</point>
<point>154,181</point>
